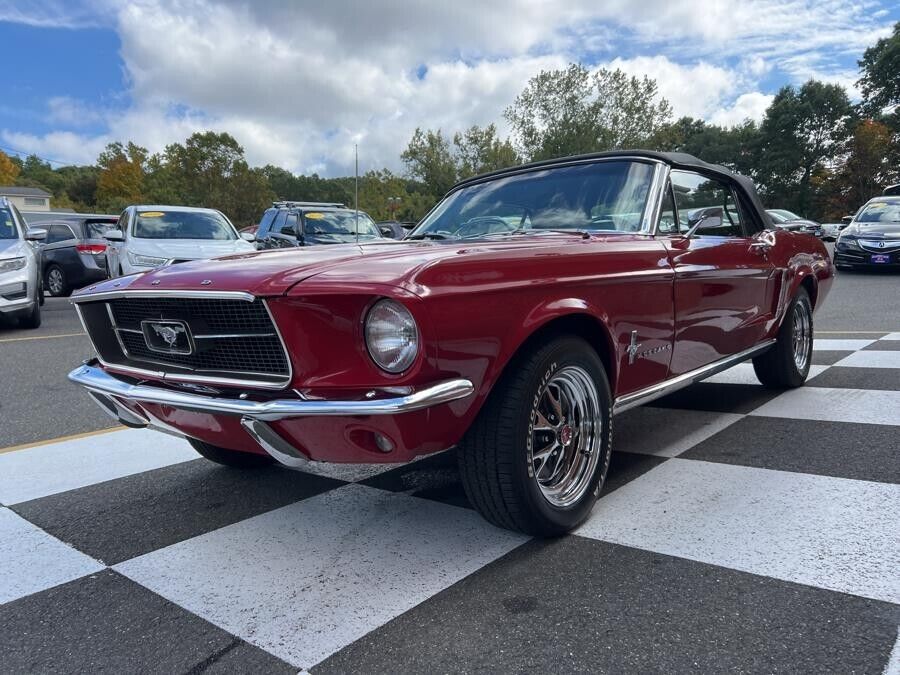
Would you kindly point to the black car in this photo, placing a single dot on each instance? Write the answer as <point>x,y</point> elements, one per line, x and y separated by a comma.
<point>289,224</point>
<point>787,220</point>
<point>74,253</point>
<point>873,237</point>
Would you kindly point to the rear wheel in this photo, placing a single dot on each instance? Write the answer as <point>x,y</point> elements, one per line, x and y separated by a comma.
<point>537,455</point>
<point>55,281</point>
<point>786,364</point>
<point>233,458</point>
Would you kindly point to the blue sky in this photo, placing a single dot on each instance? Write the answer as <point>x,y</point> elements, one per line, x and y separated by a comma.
<point>299,83</point>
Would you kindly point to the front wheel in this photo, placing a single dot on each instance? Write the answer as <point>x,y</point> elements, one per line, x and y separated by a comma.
<point>786,364</point>
<point>535,459</point>
<point>232,458</point>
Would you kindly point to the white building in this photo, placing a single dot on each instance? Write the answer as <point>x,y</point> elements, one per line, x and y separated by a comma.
<point>27,198</point>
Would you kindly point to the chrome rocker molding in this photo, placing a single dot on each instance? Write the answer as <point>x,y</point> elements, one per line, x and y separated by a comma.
<point>629,401</point>
<point>97,381</point>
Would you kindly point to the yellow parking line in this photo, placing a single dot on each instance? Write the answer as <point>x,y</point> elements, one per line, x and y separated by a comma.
<point>41,337</point>
<point>73,437</point>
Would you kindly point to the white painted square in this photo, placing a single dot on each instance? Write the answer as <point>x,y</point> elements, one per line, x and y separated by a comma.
<point>305,580</point>
<point>824,344</point>
<point>835,405</point>
<point>58,467</point>
<point>872,359</point>
<point>666,432</point>
<point>832,533</point>
<point>891,336</point>
<point>32,561</point>
<point>743,373</point>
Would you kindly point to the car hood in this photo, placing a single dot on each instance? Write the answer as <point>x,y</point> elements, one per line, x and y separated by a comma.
<point>12,248</point>
<point>874,230</point>
<point>188,249</point>
<point>388,262</point>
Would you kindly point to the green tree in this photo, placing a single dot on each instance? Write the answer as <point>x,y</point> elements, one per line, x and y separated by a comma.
<point>570,111</point>
<point>880,67</point>
<point>121,178</point>
<point>429,159</point>
<point>803,132</point>
<point>9,170</point>
<point>478,150</point>
<point>734,147</point>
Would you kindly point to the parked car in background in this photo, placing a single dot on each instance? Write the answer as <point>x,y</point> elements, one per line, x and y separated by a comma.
<point>872,239</point>
<point>526,309</point>
<point>153,236</point>
<point>74,253</point>
<point>892,191</point>
<point>21,294</point>
<point>786,220</point>
<point>289,224</point>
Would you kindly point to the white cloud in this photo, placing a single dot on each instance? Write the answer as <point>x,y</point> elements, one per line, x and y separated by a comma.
<point>298,83</point>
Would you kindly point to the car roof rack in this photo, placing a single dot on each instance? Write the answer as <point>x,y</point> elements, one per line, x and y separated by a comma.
<point>318,205</point>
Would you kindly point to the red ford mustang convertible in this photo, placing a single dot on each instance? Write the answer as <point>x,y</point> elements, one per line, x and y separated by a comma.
<point>528,308</point>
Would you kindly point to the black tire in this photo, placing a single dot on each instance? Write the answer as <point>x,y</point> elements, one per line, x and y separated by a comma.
<point>55,281</point>
<point>496,458</point>
<point>778,367</point>
<point>31,319</point>
<point>233,458</point>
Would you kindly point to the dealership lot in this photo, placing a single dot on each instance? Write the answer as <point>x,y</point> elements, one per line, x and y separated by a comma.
<point>740,529</point>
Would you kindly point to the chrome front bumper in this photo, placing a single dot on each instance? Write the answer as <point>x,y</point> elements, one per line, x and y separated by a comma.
<point>99,382</point>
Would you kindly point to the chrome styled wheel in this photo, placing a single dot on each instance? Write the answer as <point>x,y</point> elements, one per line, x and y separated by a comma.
<point>801,335</point>
<point>565,443</point>
<point>55,281</point>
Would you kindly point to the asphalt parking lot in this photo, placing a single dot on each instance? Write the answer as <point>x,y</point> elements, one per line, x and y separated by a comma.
<point>740,530</point>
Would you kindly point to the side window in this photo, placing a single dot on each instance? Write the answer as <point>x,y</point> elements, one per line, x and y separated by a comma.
<point>668,220</point>
<point>279,221</point>
<point>123,222</point>
<point>265,222</point>
<point>289,227</point>
<point>694,192</point>
<point>59,233</point>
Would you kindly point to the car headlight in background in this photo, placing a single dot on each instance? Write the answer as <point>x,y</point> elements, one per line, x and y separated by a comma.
<point>12,264</point>
<point>139,260</point>
<point>392,336</point>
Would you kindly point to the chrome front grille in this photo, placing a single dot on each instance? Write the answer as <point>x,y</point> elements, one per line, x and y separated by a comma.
<point>879,245</point>
<point>224,340</point>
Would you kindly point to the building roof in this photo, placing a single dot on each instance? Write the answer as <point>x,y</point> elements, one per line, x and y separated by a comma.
<point>18,191</point>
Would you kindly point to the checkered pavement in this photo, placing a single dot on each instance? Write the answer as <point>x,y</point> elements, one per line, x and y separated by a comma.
<point>740,529</point>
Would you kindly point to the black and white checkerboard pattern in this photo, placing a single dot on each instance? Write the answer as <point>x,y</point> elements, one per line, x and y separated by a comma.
<point>740,530</point>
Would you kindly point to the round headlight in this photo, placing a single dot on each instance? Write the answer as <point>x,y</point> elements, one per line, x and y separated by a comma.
<point>392,337</point>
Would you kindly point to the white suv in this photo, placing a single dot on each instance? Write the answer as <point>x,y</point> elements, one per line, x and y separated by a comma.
<point>153,236</point>
<point>21,290</point>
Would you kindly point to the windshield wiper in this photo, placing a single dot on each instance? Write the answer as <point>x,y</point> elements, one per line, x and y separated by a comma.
<point>428,235</point>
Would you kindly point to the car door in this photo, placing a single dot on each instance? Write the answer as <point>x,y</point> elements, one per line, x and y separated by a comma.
<point>724,280</point>
<point>284,231</point>
<point>59,250</point>
<point>114,249</point>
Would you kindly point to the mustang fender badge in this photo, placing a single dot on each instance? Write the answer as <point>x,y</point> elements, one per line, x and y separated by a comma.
<point>632,350</point>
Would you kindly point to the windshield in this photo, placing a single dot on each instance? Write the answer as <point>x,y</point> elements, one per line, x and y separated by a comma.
<point>782,215</point>
<point>339,225</point>
<point>607,196</point>
<point>95,229</point>
<point>183,225</point>
<point>880,212</point>
<point>7,226</point>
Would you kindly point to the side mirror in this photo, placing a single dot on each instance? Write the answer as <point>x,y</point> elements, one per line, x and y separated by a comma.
<point>114,235</point>
<point>35,234</point>
<point>248,236</point>
<point>846,220</point>
<point>703,219</point>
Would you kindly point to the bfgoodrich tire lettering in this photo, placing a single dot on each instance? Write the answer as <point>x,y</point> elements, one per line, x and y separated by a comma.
<point>786,364</point>
<point>497,458</point>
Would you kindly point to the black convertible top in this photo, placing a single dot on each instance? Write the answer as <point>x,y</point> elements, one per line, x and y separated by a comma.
<point>677,160</point>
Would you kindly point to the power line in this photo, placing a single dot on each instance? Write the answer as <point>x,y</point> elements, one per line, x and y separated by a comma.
<point>46,159</point>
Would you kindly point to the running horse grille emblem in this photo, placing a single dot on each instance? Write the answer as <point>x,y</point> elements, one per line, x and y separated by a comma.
<point>167,336</point>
